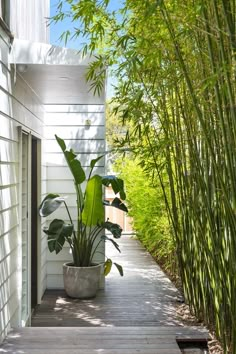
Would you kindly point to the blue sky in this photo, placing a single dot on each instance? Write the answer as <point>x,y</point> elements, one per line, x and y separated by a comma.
<point>57,29</point>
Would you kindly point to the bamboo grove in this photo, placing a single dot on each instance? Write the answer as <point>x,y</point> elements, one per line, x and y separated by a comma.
<point>175,68</point>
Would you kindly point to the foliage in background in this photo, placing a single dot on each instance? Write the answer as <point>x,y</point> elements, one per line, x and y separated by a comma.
<point>147,208</point>
<point>175,67</point>
<point>85,234</point>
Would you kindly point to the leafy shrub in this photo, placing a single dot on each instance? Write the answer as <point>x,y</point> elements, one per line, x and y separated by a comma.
<point>147,208</point>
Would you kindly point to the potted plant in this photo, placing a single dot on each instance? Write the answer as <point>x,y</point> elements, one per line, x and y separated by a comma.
<point>81,277</point>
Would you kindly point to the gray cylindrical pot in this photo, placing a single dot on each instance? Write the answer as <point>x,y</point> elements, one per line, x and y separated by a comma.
<point>81,282</point>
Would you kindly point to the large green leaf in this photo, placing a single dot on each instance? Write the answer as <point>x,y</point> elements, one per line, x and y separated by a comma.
<point>117,203</point>
<point>120,269</point>
<point>49,204</point>
<point>116,183</point>
<point>107,266</point>
<point>94,161</point>
<point>75,167</point>
<point>57,232</point>
<point>112,241</point>
<point>74,164</point>
<point>61,143</point>
<point>93,212</point>
<point>115,229</point>
<point>93,164</point>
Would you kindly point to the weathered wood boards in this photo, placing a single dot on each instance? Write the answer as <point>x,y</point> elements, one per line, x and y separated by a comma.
<point>112,340</point>
<point>132,315</point>
<point>143,297</point>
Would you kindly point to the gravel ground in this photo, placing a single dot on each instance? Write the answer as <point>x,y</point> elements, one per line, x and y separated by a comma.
<point>190,320</point>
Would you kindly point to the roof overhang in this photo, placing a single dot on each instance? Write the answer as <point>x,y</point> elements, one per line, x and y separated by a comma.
<point>56,74</point>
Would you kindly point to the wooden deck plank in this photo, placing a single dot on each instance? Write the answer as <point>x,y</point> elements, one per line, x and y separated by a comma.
<point>114,331</point>
<point>135,314</point>
<point>96,340</point>
<point>116,340</point>
<point>92,351</point>
<point>143,297</point>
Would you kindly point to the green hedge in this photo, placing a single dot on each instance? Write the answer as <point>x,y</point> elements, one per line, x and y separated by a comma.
<point>147,208</point>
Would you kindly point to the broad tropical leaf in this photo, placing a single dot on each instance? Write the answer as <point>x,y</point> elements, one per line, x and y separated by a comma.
<point>50,203</point>
<point>58,231</point>
<point>115,229</point>
<point>61,143</point>
<point>75,167</point>
<point>116,183</point>
<point>93,212</point>
<point>117,203</point>
<point>94,161</point>
<point>112,241</point>
<point>120,269</point>
<point>93,164</point>
<point>74,164</point>
<point>107,266</point>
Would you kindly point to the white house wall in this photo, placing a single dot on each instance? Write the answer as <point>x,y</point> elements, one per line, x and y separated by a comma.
<point>28,19</point>
<point>73,112</point>
<point>19,106</point>
<point>29,112</point>
<point>82,127</point>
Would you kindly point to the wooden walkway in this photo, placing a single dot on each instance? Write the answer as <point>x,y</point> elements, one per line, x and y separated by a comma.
<point>133,314</point>
<point>143,297</point>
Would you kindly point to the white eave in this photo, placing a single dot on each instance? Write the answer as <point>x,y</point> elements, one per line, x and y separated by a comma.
<point>56,74</point>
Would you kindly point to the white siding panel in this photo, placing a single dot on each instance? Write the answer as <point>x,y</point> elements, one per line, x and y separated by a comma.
<point>8,174</point>
<point>8,128</point>
<point>9,219</point>
<point>64,173</point>
<point>27,119</point>
<point>8,151</point>
<point>19,106</point>
<point>79,108</point>
<point>8,197</point>
<point>6,102</point>
<point>76,118</point>
<point>4,49</point>
<point>54,159</point>
<point>27,99</point>
<point>79,146</point>
<point>63,256</point>
<point>61,213</point>
<point>70,199</point>
<point>43,263</point>
<point>8,248</point>
<point>5,77</point>
<point>75,132</point>
<point>55,267</point>
<point>55,281</point>
<point>10,285</point>
<point>27,109</point>
<point>28,19</point>
<point>60,186</point>
<point>44,173</point>
<point>83,129</point>
<point>44,187</point>
<point>14,299</point>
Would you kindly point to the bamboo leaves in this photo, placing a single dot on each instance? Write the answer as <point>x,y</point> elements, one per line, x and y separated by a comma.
<point>175,67</point>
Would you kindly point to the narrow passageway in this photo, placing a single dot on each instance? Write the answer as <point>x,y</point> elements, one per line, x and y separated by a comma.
<point>144,296</point>
<point>133,314</point>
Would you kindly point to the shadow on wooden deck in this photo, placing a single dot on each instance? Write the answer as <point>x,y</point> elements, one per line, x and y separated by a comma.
<point>132,315</point>
<point>143,297</point>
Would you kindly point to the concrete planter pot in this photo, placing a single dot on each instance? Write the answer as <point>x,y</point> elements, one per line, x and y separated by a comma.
<point>81,282</point>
